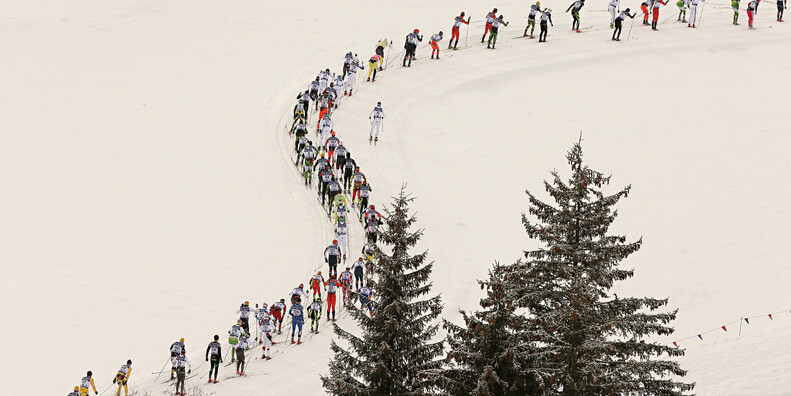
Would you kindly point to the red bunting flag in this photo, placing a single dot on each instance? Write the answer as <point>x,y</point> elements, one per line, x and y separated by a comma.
<point>770,316</point>
<point>723,327</point>
<point>674,343</point>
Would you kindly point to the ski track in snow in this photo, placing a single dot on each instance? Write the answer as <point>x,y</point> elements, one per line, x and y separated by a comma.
<point>439,115</point>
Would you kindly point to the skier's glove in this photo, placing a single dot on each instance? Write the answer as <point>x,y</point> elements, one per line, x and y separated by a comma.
<point>114,380</point>
<point>207,359</point>
<point>190,371</point>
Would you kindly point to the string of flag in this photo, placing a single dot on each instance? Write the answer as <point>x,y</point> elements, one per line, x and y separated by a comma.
<point>725,327</point>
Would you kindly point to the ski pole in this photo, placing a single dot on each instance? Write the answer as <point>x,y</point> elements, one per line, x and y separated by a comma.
<point>467,34</point>
<point>701,13</point>
<point>629,35</point>
<point>161,371</point>
<point>108,388</point>
<point>390,48</point>
<point>665,21</point>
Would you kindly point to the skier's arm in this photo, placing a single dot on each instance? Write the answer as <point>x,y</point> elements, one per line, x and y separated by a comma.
<point>550,20</point>
<point>207,351</point>
<point>572,5</point>
<point>633,15</point>
<point>93,386</point>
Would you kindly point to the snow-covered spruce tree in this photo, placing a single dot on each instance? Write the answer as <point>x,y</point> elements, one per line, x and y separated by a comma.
<point>596,339</point>
<point>492,354</point>
<point>395,355</point>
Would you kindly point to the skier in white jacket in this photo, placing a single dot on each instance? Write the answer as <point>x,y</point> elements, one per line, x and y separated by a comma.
<point>376,116</point>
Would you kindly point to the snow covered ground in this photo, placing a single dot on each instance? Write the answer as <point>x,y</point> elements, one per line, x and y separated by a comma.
<point>147,188</point>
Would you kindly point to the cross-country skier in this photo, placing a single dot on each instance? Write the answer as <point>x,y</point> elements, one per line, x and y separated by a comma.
<point>331,144</point>
<point>313,89</point>
<point>365,192</point>
<point>454,33</point>
<point>260,317</point>
<point>314,313</point>
<point>315,282</point>
<point>377,116</point>
<point>299,131</point>
<point>297,315</point>
<point>333,188</point>
<point>86,383</point>
<point>365,299</point>
<point>372,215</point>
<point>575,14</point>
<point>735,6</point>
<point>325,177</point>
<point>371,230</point>
<point>693,11</point>
<point>339,208</point>
<point>324,79</point>
<point>300,113</point>
<point>278,311</point>
<point>781,5</point>
<point>372,66</point>
<point>244,315</point>
<point>299,145</point>
<point>347,62</point>
<point>340,155</point>
<point>298,294</point>
<point>370,251</point>
<point>349,165</point>
<point>614,5</point>
<point>346,283</point>
<point>655,11</point>
<point>181,366</point>
<point>494,32</point>
<point>122,378</point>
<point>752,8</point>
<point>175,351</point>
<point>358,178</point>
<point>490,17</point>
<point>546,16</point>
<point>380,50</point>
<point>616,34</point>
<point>410,44</point>
<point>331,286</point>
<point>214,357</point>
<point>352,77</point>
<point>359,269</point>
<point>234,334</point>
<point>645,6</point>
<point>321,163</point>
<point>308,154</point>
<point>332,255</point>
<point>531,18</point>
<point>434,47</point>
<point>266,338</point>
<point>240,350</point>
<point>76,391</point>
<point>337,92</point>
<point>325,127</point>
<point>683,5</point>
<point>341,230</point>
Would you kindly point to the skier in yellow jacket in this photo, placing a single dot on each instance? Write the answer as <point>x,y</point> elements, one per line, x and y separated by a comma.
<point>122,378</point>
<point>86,383</point>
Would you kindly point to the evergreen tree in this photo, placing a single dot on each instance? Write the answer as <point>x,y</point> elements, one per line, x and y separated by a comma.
<point>395,355</point>
<point>492,354</point>
<point>595,339</point>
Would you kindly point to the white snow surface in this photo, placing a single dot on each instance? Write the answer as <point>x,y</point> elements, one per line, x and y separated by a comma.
<point>147,188</point>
